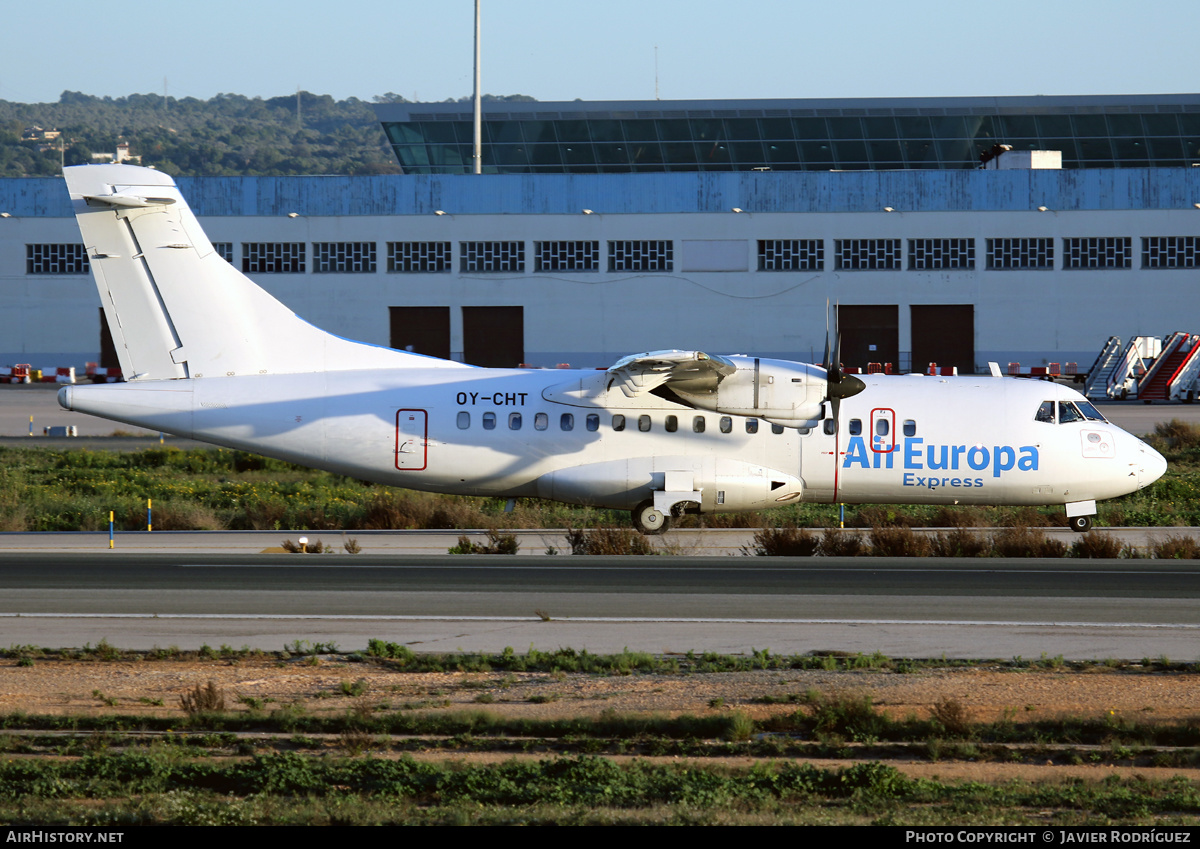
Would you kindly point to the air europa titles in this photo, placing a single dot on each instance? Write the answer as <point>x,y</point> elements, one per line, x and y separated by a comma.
<point>915,455</point>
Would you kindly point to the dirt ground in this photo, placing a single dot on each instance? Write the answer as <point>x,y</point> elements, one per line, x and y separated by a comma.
<point>90,687</point>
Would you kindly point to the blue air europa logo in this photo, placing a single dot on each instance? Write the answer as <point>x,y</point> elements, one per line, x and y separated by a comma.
<point>914,454</point>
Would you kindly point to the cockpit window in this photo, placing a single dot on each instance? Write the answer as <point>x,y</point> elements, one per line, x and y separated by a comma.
<point>1090,412</point>
<point>1045,412</point>
<point>1067,413</point>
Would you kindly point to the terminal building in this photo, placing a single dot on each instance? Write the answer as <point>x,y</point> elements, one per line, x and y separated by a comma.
<point>603,229</point>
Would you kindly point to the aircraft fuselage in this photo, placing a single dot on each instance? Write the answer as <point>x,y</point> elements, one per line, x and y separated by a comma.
<point>910,439</point>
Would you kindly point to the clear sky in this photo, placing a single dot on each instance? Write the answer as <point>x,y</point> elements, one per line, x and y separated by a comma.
<point>565,49</point>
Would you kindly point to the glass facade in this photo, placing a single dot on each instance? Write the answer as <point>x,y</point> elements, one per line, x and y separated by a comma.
<point>948,133</point>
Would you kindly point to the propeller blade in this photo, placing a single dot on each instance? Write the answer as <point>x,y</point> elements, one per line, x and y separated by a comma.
<point>835,367</point>
<point>825,361</point>
<point>838,384</point>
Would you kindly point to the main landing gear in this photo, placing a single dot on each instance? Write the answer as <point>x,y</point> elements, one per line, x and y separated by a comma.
<point>1080,524</point>
<point>648,520</point>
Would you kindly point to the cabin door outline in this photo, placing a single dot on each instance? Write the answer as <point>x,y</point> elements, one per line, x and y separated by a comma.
<point>412,440</point>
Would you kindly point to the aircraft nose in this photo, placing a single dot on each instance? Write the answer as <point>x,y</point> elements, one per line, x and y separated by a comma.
<point>1151,465</point>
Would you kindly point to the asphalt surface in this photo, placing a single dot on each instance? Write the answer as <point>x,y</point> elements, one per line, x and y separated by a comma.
<point>899,606</point>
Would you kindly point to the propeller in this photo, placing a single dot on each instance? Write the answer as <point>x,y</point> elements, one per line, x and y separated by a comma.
<point>838,384</point>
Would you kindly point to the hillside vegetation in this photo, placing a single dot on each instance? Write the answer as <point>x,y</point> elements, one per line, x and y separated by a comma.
<point>226,135</point>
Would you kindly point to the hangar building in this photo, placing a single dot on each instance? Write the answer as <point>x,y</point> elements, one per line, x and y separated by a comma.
<point>603,229</point>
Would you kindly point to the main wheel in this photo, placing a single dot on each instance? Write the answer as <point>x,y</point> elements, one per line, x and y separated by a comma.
<point>649,521</point>
<point>1080,524</point>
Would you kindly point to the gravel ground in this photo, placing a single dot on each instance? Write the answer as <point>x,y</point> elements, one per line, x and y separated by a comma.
<point>64,686</point>
<point>77,687</point>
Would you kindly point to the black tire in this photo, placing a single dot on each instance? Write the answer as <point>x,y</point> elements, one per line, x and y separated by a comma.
<point>648,521</point>
<point>1080,524</point>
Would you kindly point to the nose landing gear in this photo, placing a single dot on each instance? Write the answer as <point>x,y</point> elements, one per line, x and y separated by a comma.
<point>1080,524</point>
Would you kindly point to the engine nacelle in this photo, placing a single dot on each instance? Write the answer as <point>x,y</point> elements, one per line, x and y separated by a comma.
<point>782,392</point>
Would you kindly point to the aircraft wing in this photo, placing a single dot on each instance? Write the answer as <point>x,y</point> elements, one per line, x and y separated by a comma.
<point>693,371</point>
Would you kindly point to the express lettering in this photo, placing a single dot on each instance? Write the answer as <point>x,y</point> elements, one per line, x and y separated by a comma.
<point>496,399</point>
<point>917,455</point>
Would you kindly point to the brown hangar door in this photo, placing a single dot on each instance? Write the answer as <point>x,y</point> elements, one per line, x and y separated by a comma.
<point>494,337</point>
<point>943,334</point>
<point>422,330</point>
<point>870,334</point>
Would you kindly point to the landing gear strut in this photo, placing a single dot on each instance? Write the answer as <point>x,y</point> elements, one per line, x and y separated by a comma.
<point>1080,524</point>
<point>649,521</point>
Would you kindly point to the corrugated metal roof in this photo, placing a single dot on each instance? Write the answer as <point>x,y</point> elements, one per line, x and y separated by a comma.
<point>779,191</point>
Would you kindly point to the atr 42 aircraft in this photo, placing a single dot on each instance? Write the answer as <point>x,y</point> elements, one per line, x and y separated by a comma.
<point>209,355</point>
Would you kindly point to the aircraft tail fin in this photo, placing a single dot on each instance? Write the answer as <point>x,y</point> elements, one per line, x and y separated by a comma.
<point>175,307</point>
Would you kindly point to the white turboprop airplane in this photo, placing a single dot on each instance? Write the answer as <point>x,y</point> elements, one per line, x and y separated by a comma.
<point>209,355</point>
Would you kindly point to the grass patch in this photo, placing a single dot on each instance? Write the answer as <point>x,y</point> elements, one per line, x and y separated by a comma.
<point>497,543</point>
<point>608,541</point>
<point>203,700</point>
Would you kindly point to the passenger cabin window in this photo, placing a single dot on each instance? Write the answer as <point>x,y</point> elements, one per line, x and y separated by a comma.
<point>593,422</point>
<point>541,421</point>
<point>672,424</point>
<point>910,427</point>
<point>830,427</point>
<point>1045,413</point>
<point>489,421</point>
<point>643,423</point>
<point>566,421</point>
<point>726,424</point>
<point>777,429</point>
<point>698,424</point>
<point>618,422</point>
<point>856,427</point>
<point>514,421</point>
<point>751,425</point>
<point>464,420</point>
<point>881,427</point>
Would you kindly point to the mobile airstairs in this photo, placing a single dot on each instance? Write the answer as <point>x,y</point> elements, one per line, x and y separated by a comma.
<point>1147,368</point>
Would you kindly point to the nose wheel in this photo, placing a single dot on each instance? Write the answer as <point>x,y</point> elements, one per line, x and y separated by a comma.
<point>649,521</point>
<point>1080,524</point>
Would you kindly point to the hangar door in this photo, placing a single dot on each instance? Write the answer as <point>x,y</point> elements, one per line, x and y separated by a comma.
<point>870,334</point>
<point>108,351</point>
<point>943,334</point>
<point>422,330</point>
<point>494,336</point>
